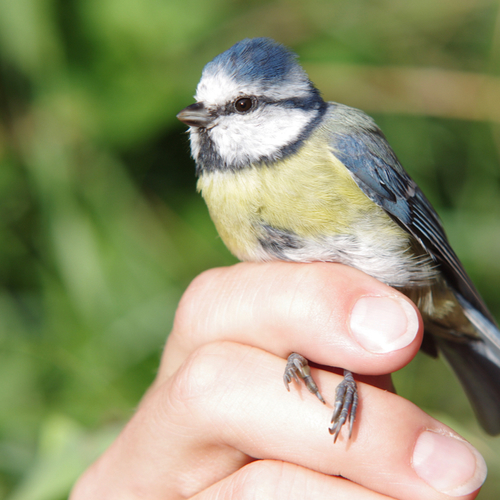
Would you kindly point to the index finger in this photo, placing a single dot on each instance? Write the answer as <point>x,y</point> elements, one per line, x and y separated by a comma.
<point>332,314</point>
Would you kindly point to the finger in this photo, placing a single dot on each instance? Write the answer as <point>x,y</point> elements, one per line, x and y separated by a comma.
<point>280,480</point>
<point>397,449</point>
<point>226,407</point>
<point>331,314</point>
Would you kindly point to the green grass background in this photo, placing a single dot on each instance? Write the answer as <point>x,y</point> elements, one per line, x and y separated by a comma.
<point>101,228</point>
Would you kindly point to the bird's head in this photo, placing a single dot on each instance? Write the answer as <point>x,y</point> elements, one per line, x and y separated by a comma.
<point>255,104</point>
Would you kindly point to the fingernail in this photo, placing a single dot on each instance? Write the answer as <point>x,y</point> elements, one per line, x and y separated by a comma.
<point>383,324</point>
<point>448,464</point>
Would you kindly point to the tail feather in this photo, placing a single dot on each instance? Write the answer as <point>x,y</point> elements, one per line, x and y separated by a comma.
<point>477,367</point>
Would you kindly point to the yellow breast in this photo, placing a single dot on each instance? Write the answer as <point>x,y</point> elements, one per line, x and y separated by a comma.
<point>310,193</point>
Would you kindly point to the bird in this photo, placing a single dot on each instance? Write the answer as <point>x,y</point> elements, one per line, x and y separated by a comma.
<point>288,176</point>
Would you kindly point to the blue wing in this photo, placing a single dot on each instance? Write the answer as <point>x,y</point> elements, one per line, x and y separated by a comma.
<point>361,146</point>
<point>363,149</point>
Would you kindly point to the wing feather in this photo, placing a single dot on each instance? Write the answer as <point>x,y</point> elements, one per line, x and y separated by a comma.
<point>363,149</point>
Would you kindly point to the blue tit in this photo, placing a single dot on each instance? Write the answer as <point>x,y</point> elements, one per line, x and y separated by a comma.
<point>288,176</point>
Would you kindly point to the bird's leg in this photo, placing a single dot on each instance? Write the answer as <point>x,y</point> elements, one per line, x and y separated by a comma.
<point>346,397</point>
<point>298,366</point>
<point>346,403</point>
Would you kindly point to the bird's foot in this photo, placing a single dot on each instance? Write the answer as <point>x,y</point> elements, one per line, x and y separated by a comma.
<point>298,366</point>
<point>346,403</point>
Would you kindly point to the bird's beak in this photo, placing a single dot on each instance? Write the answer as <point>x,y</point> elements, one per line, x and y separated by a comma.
<point>196,115</point>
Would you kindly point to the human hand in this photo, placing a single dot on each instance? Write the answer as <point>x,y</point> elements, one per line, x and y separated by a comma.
<point>218,423</point>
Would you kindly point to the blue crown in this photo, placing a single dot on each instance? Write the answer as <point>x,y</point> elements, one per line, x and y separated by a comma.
<point>255,59</point>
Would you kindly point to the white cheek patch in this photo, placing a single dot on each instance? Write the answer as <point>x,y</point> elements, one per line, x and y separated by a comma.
<point>243,139</point>
<point>194,139</point>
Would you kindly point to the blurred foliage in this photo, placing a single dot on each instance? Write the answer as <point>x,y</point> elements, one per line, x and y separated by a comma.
<point>101,228</point>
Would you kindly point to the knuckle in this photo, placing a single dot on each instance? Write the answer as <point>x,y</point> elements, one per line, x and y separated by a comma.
<point>191,395</point>
<point>202,375</point>
<point>200,292</point>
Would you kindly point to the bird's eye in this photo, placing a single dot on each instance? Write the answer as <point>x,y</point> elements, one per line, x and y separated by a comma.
<point>243,104</point>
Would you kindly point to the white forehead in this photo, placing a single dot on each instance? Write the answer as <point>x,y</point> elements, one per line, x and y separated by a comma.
<point>218,88</point>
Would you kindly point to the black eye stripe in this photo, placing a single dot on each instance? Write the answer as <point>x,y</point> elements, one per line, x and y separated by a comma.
<point>305,103</point>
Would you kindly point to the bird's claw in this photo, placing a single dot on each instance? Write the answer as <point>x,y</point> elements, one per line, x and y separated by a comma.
<point>298,366</point>
<point>346,403</point>
<point>346,397</point>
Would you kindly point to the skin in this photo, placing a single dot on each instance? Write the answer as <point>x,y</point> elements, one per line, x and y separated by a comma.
<point>217,422</point>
